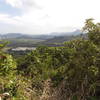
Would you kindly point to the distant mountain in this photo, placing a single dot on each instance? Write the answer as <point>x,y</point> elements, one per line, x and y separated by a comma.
<point>61,39</point>
<point>20,39</point>
<point>24,36</point>
<point>10,35</point>
<point>44,37</point>
<point>76,32</point>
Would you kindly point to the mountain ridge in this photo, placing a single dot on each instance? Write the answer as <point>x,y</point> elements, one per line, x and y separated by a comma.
<point>42,36</point>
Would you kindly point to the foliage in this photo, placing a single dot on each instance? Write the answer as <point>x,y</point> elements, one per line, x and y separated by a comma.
<point>93,31</point>
<point>76,64</point>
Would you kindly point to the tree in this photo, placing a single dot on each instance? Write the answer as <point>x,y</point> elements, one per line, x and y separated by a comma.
<point>93,31</point>
<point>7,63</point>
<point>7,70</point>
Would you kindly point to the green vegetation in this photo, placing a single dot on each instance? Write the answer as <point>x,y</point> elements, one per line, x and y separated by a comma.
<point>23,42</point>
<point>69,72</point>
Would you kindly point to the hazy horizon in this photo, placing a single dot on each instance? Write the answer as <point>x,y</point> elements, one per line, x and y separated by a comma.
<point>46,16</point>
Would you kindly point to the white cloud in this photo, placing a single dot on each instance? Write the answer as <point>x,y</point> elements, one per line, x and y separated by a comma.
<point>5,18</point>
<point>15,3</point>
<point>42,16</point>
<point>23,4</point>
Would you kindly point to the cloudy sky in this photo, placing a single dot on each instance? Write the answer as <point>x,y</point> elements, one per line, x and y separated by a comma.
<point>45,16</point>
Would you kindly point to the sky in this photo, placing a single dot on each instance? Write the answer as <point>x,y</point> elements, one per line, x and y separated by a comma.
<point>46,16</point>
